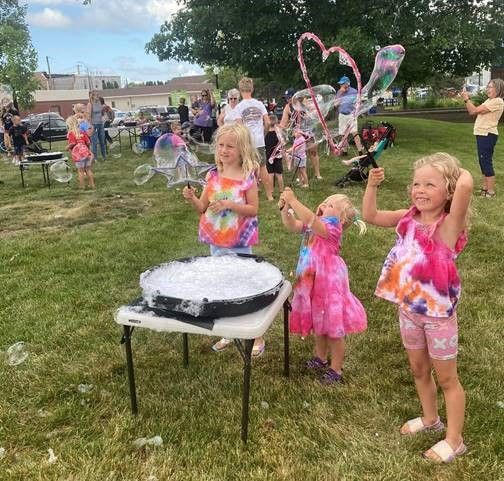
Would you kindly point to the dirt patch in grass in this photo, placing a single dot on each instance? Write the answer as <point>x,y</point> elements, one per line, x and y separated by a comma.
<point>56,214</point>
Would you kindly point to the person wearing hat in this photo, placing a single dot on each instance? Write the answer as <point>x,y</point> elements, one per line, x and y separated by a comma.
<point>346,96</point>
<point>311,146</point>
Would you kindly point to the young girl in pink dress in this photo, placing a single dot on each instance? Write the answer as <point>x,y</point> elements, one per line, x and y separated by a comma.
<point>323,303</point>
<point>420,276</point>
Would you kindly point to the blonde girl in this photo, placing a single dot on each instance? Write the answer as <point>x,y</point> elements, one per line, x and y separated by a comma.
<point>323,304</point>
<point>78,144</point>
<point>229,202</point>
<point>420,276</point>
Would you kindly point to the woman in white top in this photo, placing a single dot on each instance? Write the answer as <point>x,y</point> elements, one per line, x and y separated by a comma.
<point>485,130</point>
<point>226,115</point>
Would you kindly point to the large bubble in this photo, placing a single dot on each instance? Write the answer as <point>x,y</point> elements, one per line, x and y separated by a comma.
<point>139,148</point>
<point>60,171</point>
<point>115,150</point>
<point>143,173</point>
<point>323,97</point>
<point>168,149</point>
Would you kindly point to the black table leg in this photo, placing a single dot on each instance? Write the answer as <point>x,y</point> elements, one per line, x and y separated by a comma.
<point>185,342</point>
<point>247,368</point>
<point>131,374</point>
<point>47,175</point>
<point>286,309</point>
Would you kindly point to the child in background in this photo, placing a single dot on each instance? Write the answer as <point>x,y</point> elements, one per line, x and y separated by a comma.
<point>323,303</point>
<point>298,153</point>
<point>176,128</point>
<point>78,144</point>
<point>273,164</point>
<point>229,202</point>
<point>19,135</point>
<point>420,276</point>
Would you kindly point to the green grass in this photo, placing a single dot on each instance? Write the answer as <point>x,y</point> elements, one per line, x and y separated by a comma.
<point>70,258</point>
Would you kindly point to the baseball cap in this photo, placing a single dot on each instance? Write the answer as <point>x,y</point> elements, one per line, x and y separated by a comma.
<point>344,80</point>
<point>289,92</point>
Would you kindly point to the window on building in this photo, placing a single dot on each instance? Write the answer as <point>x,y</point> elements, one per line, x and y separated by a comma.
<point>113,104</point>
<point>55,108</point>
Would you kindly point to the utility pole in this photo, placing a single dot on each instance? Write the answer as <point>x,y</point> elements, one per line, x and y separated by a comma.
<point>49,72</point>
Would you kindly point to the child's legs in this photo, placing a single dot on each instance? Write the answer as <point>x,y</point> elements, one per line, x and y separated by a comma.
<point>414,340</point>
<point>101,138</point>
<point>337,348</point>
<point>90,176</point>
<point>81,173</point>
<point>303,175</point>
<point>280,182</point>
<point>313,155</point>
<point>421,368</point>
<point>320,349</point>
<point>453,392</point>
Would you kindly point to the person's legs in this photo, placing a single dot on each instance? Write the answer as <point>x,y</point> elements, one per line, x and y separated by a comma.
<point>421,368</point>
<point>90,177</point>
<point>313,155</point>
<point>304,177</point>
<point>101,139</point>
<point>80,171</point>
<point>358,141</point>
<point>280,182</point>
<point>337,348</point>
<point>320,348</point>
<point>268,190</point>
<point>446,372</point>
<point>485,146</point>
<point>94,142</point>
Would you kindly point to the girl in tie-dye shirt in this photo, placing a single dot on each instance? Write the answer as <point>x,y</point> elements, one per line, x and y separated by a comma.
<point>420,276</point>
<point>229,202</point>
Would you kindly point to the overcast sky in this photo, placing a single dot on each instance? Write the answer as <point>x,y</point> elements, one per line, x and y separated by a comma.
<point>107,36</point>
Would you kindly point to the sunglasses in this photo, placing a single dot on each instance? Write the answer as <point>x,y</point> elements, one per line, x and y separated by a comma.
<point>233,98</point>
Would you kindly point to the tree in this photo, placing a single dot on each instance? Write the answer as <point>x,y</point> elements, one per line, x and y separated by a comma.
<point>454,37</point>
<point>18,59</point>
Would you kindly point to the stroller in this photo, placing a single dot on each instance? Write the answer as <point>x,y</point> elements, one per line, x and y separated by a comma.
<point>361,166</point>
<point>34,138</point>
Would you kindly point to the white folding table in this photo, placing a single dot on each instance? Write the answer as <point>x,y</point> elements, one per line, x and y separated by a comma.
<point>243,329</point>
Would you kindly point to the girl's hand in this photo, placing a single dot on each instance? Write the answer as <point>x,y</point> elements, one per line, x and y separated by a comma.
<point>188,193</point>
<point>376,176</point>
<point>281,203</point>
<point>287,195</point>
<point>464,94</point>
<point>218,206</point>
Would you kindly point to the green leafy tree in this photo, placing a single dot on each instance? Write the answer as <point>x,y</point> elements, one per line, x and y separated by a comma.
<point>18,59</point>
<point>452,37</point>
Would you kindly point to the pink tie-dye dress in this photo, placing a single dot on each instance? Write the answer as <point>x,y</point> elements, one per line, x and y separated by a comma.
<point>322,301</point>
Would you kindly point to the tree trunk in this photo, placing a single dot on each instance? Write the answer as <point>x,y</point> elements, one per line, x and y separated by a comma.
<point>404,95</point>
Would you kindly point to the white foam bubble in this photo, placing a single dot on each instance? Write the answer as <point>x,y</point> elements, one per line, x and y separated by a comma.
<point>210,279</point>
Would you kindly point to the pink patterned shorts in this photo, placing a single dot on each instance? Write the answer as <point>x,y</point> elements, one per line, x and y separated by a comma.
<point>438,334</point>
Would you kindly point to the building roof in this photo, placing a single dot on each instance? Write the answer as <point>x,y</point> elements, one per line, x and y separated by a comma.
<point>155,89</point>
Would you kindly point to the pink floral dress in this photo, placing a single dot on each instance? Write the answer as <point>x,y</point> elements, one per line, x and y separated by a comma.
<point>322,301</point>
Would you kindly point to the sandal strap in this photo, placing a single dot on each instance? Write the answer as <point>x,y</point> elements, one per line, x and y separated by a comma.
<point>417,425</point>
<point>445,452</point>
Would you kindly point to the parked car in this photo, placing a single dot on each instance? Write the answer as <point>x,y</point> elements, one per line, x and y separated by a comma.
<point>119,118</point>
<point>54,126</point>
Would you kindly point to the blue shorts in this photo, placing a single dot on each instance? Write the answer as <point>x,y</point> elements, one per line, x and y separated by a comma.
<point>84,163</point>
<point>220,251</point>
<point>485,145</point>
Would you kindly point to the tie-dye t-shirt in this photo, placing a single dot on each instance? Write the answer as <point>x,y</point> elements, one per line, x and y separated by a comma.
<point>419,273</point>
<point>227,228</point>
<point>322,301</point>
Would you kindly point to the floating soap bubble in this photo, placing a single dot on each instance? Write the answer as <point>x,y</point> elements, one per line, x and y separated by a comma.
<point>323,97</point>
<point>138,148</point>
<point>143,173</point>
<point>115,150</point>
<point>17,354</point>
<point>60,171</point>
<point>167,149</point>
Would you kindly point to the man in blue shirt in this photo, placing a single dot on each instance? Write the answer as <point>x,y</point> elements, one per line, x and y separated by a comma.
<point>346,96</point>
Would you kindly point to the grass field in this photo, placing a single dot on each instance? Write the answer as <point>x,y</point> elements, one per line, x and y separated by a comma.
<point>70,258</point>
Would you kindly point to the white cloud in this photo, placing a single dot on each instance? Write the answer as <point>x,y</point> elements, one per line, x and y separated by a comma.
<point>162,10</point>
<point>50,2</point>
<point>49,18</point>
